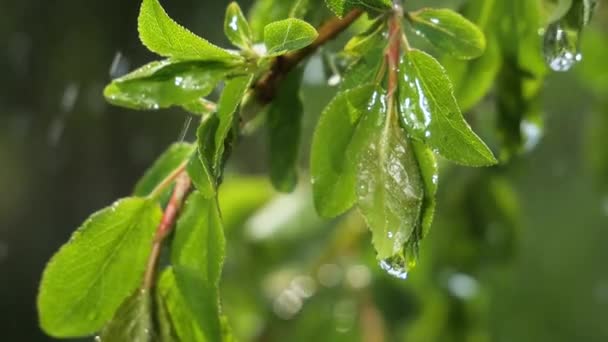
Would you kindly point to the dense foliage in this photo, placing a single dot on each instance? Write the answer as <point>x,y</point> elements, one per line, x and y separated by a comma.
<point>148,267</point>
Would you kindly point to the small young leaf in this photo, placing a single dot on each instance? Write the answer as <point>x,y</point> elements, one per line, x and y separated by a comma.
<point>342,7</point>
<point>334,151</point>
<point>236,27</point>
<point>231,98</point>
<point>90,277</point>
<point>430,112</point>
<point>166,83</point>
<point>369,51</point>
<point>450,32</point>
<point>284,125</point>
<point>197,257</point>
<point>159,33</point>
<point>264,12</point>
<point>390,188</point>
<point>176,155</point>
<point>132,322</point>
<point>288,35</point>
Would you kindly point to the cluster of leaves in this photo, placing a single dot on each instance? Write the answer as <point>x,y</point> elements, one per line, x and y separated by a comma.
<point>375,147</point>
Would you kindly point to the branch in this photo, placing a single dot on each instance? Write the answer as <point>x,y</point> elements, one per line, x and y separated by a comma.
<point>182,186</point>
<point>266,87</point>
<point>265,90</point>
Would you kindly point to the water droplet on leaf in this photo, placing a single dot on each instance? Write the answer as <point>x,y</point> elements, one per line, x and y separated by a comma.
<point>561,47</point>
<point>400,264</point>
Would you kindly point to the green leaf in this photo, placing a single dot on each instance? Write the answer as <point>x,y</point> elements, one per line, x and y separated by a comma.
<point>284,126</point>
<point>430,112</point>
<point>159,33</point>
<point>231,97</point>
<point>88,279</point>
<point>264,12</point>
<point>288,35</point>
<point>236,27</point>
<point>197,257</point>
<point>334,151</point>
<point>205,172</point>
<point>342,7</point>
<point>429,171</point>
<point>132,322</point>
<point>449,31</point>
<point>390,188</point>
<point>175,156</point>
<point>178,323</point>
<point>368,51</point>
<point>202,177</point>
<point>166,83</point>
<point>474,79</point>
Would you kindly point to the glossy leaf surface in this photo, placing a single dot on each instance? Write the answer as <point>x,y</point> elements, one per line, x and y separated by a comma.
<point>430,112</point>
<point>450,32</point>
<point>236,27</point>
<point>90,277</point>
<point>390,189</point>
<point>166,83</point>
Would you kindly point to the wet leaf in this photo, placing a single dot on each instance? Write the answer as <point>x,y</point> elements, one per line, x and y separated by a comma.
<point>236,27</point>
<point>162,35</point>
<point>232,95</point>
<point>197,257</point>
<point>284,125</point>
<point>175,156</point>
<point>342,7</point>
<point>429,171</point>
<point>132,322</point>
<point>430,112</point>
<point>166,83</point>
<point>288,35</point>
<point>333,163</point>
<point>450,32</point>
<point>390,188</point>
<point>102,264</point>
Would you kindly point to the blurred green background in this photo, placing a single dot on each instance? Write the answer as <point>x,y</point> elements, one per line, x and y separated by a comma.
<point>517,253</point>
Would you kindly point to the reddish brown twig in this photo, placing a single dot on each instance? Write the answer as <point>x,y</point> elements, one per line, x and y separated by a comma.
<point>182,186</point>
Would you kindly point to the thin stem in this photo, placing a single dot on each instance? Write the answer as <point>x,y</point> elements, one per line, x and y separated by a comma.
<point>393,52</point>
<point>182,186</point>
<point>164,184</point>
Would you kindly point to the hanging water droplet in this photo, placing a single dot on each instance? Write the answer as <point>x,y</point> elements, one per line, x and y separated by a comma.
<point>561,47</point>
<point>394,269</point>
